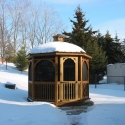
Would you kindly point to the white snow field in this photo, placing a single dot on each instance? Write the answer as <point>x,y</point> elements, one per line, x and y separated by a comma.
<point>108,108</point>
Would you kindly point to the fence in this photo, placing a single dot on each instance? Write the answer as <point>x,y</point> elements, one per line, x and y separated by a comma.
<point>113,79</point>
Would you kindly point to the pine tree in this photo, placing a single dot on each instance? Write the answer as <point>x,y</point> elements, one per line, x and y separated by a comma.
<point>123,47</point>
<point>112,47</point>
<point>20,61</point>
<point>80,32</point>
<point>100,39</point>
<point>116,39</point>
<point>83,36</point>
<point>99,60</point>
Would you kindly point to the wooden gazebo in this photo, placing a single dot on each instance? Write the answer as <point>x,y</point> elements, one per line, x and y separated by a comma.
<point>58,73</point>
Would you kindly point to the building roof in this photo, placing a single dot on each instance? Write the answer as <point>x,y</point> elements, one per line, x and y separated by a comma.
<point>115,64</point>
<point>56,46</point>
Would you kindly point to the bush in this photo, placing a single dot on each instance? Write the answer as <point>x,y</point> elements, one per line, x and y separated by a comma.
<point>20,61</point>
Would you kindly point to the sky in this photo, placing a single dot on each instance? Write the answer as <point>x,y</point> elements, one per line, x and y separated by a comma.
<point>103,15</point>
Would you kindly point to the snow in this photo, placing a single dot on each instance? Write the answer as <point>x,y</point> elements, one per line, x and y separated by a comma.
<point>104,80</point>
<point>56,47</point>
<point>109,64</point>
<point>9,83</point>
<point>108,108</point>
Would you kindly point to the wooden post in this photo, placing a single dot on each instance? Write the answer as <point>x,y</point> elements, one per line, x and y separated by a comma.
<point>81,88</point>
<point>33,97</point>
<point>61,79</point>
<point>61,91</point>
<point>95,80</point>
<point>88,75</point>
<point>124,83</point>
<point>29,63</point>
<point>76,69</point>
<point>56,80</point>
<point>6,64</point>
<point>76,77</point>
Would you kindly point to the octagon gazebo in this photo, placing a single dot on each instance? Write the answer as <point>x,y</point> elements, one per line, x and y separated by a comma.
<point>58,73</point>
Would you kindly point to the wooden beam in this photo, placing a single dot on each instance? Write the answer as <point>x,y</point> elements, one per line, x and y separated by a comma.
<point>33,96</point>
<point>56,80</point>
<point>76,69</point>
<point>61,79</point>
<point>81,88</point>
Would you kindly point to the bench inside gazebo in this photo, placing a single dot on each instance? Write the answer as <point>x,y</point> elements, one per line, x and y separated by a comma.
<point>58,73</point>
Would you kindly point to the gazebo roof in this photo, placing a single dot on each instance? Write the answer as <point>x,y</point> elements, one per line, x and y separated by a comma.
<point>56,46</point>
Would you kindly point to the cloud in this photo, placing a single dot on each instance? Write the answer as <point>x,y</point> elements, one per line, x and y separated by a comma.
<point>81,1</point>
<point>113,26</point>
<point>69,1</point>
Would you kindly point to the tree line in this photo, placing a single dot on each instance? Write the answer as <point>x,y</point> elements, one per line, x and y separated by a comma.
<point>25,23</point>
<point>103,48</point>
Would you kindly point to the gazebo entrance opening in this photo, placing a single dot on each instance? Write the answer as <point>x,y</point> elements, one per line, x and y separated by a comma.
<point>69,83</point>
<point>69,70</point>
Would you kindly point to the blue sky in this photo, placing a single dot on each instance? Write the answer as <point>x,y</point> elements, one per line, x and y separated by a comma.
<point>103,15</point>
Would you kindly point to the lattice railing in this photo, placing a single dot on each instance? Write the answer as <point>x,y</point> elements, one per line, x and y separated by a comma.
<point>30,90</point>
<point>85,90</point>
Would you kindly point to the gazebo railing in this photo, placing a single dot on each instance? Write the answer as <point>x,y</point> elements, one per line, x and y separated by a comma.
<point>30,90</point>
<point>45,91</point>
<point>85,89</point>
<point>68,91</point>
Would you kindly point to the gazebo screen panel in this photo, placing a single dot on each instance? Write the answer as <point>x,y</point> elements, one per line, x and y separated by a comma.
<point>84,71</point>
<point>45,71</point>
<point>69,70</point>
<point>30,71</point>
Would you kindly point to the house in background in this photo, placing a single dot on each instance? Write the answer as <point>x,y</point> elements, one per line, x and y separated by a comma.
<point>116,73</point>
<point>0,59</point>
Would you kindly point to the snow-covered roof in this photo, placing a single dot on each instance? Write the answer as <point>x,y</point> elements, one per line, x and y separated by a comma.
<point>56,46</point>
<point>116,64</point>
<point>109,64</point>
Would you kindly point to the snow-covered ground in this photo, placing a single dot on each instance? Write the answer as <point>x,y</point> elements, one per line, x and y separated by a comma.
<point>108,108</point>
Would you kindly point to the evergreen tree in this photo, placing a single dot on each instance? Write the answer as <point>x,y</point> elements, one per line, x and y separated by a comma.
<point>100,39</point>
<point>116,39</point>
<point>99,60</point>
<point>80,32</point>
<point>83,36</point>
<point>123,46</point>
<point>20,61</point>
<point>112,47</point>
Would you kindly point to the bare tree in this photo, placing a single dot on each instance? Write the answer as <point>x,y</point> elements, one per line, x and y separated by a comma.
<point>49,24</point>
<point>45,23</point>
<point>32,26</point>
<point>3,28</point>
<point>23,35</point>
<point>24,24</point>
<point>17,10</point>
